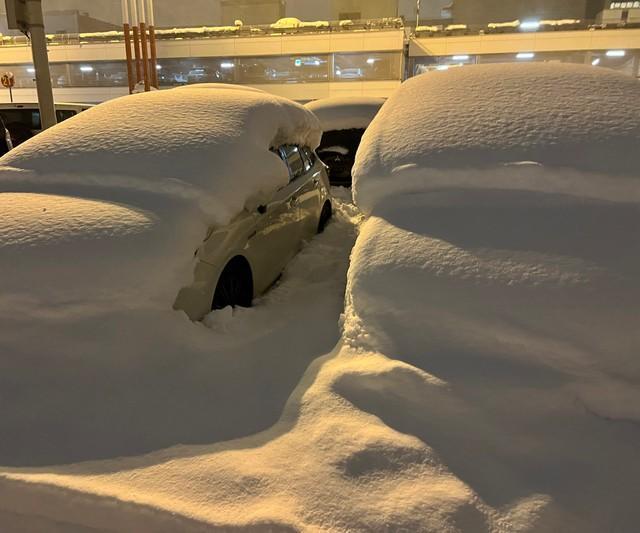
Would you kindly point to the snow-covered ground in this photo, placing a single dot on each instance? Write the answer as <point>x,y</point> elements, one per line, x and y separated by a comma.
<point>482,374</point>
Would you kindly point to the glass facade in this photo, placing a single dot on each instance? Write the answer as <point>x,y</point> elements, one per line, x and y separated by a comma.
<point>368,66</point>
<point>243,70</point>
<point>627,62</point>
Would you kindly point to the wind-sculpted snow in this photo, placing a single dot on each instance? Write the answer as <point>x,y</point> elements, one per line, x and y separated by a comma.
<point>520,122</point>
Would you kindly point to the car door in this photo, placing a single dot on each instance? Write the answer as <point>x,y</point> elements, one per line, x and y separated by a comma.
<point>309,195</point>
<point>276,238</point>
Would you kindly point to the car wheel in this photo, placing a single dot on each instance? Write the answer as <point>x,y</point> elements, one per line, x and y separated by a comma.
<point>325,216</point>
<point>235,285</point>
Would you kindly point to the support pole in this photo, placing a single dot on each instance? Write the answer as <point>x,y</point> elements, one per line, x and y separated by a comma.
<point>145,48</point>
<point>136,40</point>
<point>127,44</point>
<point>41,65</point>
<point>152,44</point>
<point>154,57</point>
<point>417,15</point>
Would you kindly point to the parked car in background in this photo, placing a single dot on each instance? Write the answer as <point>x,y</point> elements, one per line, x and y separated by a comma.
<point>22,120</point>
<point>344,121</point>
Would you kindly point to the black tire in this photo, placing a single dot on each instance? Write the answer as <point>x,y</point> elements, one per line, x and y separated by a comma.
<point>325,216</point>
<point>235,285</point>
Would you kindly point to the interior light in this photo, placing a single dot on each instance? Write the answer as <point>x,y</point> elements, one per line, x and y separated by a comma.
<point>461,58</point>
<point>227,65</point>
<point>596,62</point>
<point>442,67</point>
<point>529,25</point>
<point>86,68</point>
<point>158,67</point>
<point>371,61</point>
<point>525,55</point>
<point>616,53</point>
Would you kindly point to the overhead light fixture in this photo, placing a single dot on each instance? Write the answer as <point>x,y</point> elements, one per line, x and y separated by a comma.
<point>596,62</point>
<point>227,65</point>
<point>462,57</point>
<point>530,25</point>
<point>86,68</point>
<point>525,55</point>
<point>616,53</point>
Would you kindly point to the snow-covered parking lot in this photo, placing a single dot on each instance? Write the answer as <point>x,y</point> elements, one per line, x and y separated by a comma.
<point>458,354</point>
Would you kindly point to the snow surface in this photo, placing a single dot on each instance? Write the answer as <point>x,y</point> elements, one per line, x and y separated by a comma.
<point>443,128</point>
<point>345,113</point>
<point>213,147</point>
<point>486,378</point>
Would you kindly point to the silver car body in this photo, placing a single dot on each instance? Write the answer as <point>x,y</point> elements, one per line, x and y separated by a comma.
<point>267,236</point>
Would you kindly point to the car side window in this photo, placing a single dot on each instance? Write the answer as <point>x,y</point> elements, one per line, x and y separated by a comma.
<point>293,157</point>
<point>310,156</point>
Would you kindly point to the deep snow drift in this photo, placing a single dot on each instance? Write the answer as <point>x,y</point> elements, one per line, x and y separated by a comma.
<point>512,286</point>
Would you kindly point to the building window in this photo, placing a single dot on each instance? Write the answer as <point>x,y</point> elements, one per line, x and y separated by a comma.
<point>367,67</point>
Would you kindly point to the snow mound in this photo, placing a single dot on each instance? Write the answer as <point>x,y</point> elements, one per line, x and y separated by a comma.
<point>196,143</point>
<point>442,128</point>
<point>345,113</point>
<point>516,316</point>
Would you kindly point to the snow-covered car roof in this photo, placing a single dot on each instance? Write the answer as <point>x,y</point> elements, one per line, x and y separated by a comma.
<point>574,117</point>
<point>199,143</point>
<point>344,112</point>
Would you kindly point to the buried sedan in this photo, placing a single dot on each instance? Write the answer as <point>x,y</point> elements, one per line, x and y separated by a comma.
<point>115,201</point>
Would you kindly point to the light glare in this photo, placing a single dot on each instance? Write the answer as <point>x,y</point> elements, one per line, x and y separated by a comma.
<point>525,55</point>
<point>529,25</point>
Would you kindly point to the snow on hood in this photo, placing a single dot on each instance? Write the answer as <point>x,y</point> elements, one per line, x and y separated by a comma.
<point>515,121</point>
<point>197,143</point>
<point>345,113</point>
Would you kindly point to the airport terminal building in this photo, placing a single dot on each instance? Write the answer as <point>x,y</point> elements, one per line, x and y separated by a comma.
<point>305,60</point>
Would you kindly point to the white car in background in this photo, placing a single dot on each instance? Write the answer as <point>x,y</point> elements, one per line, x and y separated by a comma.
<point>22,120</point>
<point>137,184</point>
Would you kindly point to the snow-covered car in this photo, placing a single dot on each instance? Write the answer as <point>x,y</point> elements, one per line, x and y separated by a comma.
<point>139,183</point>
<point>499,265</point>
<point>343,121</point>
<point>288,23</point>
